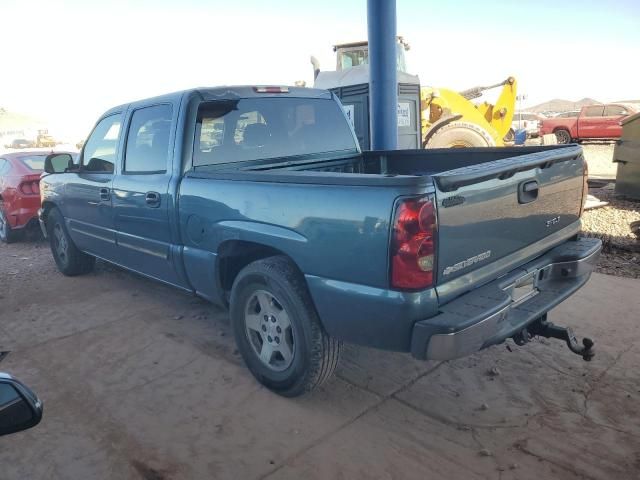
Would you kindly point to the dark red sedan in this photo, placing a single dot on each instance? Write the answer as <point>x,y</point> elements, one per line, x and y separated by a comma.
<point>19,192</point>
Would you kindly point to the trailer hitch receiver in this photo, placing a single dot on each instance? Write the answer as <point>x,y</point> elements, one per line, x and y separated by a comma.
<point>543,328</point>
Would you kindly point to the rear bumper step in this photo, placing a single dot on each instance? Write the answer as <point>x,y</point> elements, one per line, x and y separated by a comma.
<point>499,310</point>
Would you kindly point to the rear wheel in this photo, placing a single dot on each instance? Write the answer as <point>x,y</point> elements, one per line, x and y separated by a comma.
<point>7,234</point>
<point>277,328</point>
<point>563,136</point>
<point>68,258</point>
<point>460,135</point>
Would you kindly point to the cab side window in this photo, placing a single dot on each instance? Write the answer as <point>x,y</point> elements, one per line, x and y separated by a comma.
<point>614,111</point>
<point>99,155</point>
<point>148,140</point>
<point>594,111</point>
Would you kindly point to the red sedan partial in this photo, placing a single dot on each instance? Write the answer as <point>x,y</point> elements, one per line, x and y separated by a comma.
<point>19,192</point>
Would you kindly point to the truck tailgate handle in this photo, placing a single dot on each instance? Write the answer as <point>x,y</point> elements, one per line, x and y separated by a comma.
<point>152,199</point>
<point>528,191</point>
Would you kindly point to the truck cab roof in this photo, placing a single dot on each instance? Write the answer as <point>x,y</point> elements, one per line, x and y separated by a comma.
<point>228,93</point>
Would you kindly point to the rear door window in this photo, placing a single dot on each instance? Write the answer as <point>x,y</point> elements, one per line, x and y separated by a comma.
<point>148,140</point>
<point>614,111</point>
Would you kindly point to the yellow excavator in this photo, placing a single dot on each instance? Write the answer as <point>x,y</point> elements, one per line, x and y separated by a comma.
<point>451,119</point>
<point>448,118</point>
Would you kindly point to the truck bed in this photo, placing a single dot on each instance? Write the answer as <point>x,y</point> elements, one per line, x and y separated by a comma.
<point>486,225</point>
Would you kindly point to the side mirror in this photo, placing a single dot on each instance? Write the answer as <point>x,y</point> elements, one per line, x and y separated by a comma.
<point>58,163</point>
<point>20,408</point>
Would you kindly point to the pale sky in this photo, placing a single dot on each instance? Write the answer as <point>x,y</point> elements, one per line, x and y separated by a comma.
<point>67,61</point>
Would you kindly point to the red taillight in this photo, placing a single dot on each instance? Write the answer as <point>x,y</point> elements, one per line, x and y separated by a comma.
<point>30,188</point>
<point>413,245</point>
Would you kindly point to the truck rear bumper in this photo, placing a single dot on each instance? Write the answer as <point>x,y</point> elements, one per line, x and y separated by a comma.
<point>497,311</point>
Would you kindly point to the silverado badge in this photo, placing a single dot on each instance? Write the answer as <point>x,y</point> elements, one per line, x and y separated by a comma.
<point>467,263</point>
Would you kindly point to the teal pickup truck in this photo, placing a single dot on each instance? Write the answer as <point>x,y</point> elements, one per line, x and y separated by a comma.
<point>260,200</point>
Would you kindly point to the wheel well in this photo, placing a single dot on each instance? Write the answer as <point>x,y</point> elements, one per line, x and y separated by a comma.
<point>46,208</point>
<point>561,128</point>
<point>234,255</point>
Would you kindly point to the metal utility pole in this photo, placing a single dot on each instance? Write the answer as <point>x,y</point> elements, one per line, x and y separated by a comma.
<point>383,87</point>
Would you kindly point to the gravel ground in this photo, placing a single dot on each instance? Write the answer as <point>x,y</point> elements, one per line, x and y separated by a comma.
<point>599,157</point>
<point>612,224</point>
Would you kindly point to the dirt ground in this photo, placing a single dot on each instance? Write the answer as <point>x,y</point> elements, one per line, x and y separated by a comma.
<point>140,381</point>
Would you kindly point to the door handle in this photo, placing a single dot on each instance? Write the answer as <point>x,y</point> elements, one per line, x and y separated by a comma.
<point>528,191</point>
<point>152,199</point>
<point>105,194</point>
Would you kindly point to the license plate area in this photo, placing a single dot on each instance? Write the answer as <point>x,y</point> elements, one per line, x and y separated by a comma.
<point>523,288</point>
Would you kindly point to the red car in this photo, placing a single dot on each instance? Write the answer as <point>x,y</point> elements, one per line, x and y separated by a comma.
<point>19,192</point>
<point>592,122</point>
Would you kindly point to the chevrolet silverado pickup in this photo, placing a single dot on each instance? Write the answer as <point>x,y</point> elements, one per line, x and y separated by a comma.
<point>260,200</point>
<point>593,122</point>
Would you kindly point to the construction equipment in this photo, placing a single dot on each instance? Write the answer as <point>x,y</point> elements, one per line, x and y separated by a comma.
<point>443,117</point>
<point>45,140</point>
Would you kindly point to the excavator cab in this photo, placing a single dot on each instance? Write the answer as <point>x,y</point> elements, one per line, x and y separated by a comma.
<point>350,83</point>
<point>428,117</point>
<point>350,55</point>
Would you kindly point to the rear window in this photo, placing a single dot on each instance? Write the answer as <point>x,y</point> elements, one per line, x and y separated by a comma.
<point>34,162</point>
<point>262,128</point>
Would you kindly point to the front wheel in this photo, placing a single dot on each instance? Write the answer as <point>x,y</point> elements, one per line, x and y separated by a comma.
<point>277,329</point>
<point>69,259</point>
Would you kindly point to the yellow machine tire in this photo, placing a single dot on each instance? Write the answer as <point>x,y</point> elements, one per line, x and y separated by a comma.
<point>460,135</point>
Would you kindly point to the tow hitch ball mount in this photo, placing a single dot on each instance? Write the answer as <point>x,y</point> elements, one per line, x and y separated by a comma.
<point>543,328</point>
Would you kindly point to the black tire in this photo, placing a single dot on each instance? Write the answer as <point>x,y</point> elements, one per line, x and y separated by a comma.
<point>68,258</point>
<point>314,354</point>
<point>7,234</point>
<point>563,136</point>
<point>459,135</point>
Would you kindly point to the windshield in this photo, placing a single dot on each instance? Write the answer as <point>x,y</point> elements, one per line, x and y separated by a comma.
<point>353,58</point>
<point>262,128</point>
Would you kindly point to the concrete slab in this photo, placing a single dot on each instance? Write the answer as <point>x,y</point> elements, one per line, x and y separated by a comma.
<point>141,381</point>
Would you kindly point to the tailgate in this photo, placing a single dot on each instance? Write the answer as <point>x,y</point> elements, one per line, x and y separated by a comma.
<point>490,210</point>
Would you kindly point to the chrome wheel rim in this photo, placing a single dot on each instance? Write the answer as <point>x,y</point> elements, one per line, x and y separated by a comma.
<point>60,243</point>
<point>269,331</point>
<point>563,137</point>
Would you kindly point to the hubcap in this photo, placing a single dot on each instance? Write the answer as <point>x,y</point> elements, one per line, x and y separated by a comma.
<point>562,137</point>
<point>60,243</point>
<point>269,331</point>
